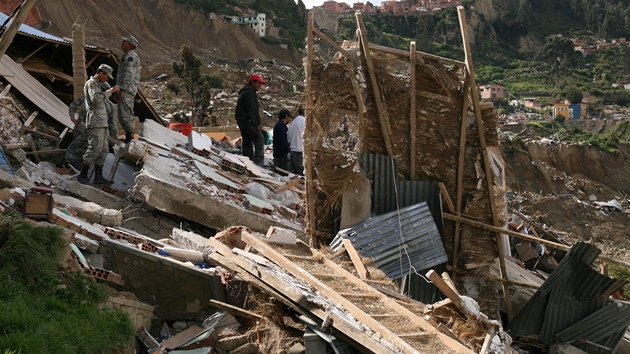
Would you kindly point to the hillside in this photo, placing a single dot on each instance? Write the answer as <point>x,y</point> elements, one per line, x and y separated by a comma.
<point>162,27</point>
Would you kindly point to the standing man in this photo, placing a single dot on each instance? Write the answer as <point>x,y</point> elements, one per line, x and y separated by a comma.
<point>96,123</point>
<point>296,131</point>
<point>248,119</point>
<point>280,140</point>
<point>128,80</point>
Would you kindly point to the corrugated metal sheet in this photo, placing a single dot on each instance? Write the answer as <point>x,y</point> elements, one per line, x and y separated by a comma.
<point>389,194</point>
<point>382,171</point>
<point>611,319</point>
<point>572,293</point>
<point>34,91</point>
<point>30,31</point>
<point>398,241</point>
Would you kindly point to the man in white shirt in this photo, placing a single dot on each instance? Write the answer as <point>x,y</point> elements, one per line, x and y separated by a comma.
<point>295,133</point>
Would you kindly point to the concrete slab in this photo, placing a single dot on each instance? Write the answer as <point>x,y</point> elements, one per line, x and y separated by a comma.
<point>161,136</point>
<point>192,241</point>
<point>177,291</point>
<point>209,174</point>
<point>91,212</point>
<point>64,220</point>
<point>169,186</point>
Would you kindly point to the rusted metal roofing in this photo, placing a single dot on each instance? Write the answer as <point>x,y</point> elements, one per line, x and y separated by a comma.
<point>398,242</point>
<point>34,91</point>
<point>572,293</point>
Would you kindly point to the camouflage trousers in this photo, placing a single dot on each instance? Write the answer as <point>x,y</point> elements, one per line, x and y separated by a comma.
<point>76,149</point>
<point>97,148</point>
<point>125,113</point>
<point>79,144</point>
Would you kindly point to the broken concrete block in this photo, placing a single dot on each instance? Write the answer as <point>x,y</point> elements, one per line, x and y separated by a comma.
<point>287,213</point>
<point>192,240</point>
<point>211,175</point>
<point>231,343</point>
<point>111,217</point>
<point>85,243</point>
<point>281,235</point>
<point>258,205</point>
<point>91,212</point>
<point>249,348</point>
<point>135,151</point>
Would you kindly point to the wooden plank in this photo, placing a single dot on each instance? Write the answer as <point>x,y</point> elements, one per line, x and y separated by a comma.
<point>525,237</point>
<point>292,183</point>
<point>460,171</point>
<point>405,54</point>
<point>262,247</point>
<point>361,111</point>
<point>355,258</point>
<point>235,310</point>
<point>447,198</point>
<point>486,157</point>
<point>446,289</point>
<point>297,298</point>
<point>11,30</point>
<point>352,309</point>
<point>5,92</point>
<point>413,117</point>
<point>311,223</point>
<point>447,279</point>
<point>330,42</point>
<point>526,219</point>
<point>28,122</point>
<point>386,130</point>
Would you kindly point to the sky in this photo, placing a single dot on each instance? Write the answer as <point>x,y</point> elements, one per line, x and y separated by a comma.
<point>310,3</point>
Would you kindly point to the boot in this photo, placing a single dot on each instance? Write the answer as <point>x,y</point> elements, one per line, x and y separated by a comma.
<point>83,176</point>
<point>128,137</point>
<point>98,176</point>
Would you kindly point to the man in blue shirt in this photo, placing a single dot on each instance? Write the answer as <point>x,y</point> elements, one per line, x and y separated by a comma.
<point>281,141</point>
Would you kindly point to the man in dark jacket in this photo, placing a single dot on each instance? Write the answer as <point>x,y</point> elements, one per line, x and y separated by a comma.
<point>248,119</point>
<point>280,140</point>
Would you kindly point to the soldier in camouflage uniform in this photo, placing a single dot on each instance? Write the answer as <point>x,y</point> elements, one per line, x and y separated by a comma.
<point>96,124</point>
<point>76,149</point>
<point>128,80</point>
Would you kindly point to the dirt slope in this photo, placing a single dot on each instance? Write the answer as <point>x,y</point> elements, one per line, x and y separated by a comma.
<point>161,26</point>
<point>554,184</point>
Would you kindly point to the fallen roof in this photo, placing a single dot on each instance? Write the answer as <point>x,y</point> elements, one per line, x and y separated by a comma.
<point>34,91</point>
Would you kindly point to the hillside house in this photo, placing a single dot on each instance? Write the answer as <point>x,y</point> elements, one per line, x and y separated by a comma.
<point>489,92</point>
<point>570,111</point>
<point>257,23</point>
<point>336,7</point>
<point>531,102</point>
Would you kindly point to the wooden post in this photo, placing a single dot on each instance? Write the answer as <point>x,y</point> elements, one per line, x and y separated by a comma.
<point>460,172</point>
<point>9,33</point>
<point>311,224</point>
<point>382,112</point>
<point>78,59</point>
<point>486,160</point>
<point>412,117</point>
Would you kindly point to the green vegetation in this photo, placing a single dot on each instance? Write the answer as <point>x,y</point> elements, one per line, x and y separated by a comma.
<point>284,13</point>
<point>619,272</point>
<point>46,310</point>
<point>197,85</point>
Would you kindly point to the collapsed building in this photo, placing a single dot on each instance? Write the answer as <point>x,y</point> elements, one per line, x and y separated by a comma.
<point>392,139</point>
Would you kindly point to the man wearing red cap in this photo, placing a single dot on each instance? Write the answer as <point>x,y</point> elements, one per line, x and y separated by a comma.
<point>248,119</point>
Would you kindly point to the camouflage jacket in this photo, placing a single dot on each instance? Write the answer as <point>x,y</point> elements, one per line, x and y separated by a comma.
<point>128,76</point>
<point>95,99</point>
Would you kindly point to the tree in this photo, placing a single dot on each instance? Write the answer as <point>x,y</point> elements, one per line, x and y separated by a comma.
<point>573,94</point>
<point>195,84</point>
<point>369,4</point>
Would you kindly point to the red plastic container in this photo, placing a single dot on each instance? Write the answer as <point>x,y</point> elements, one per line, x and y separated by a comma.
<point>184,128</point>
